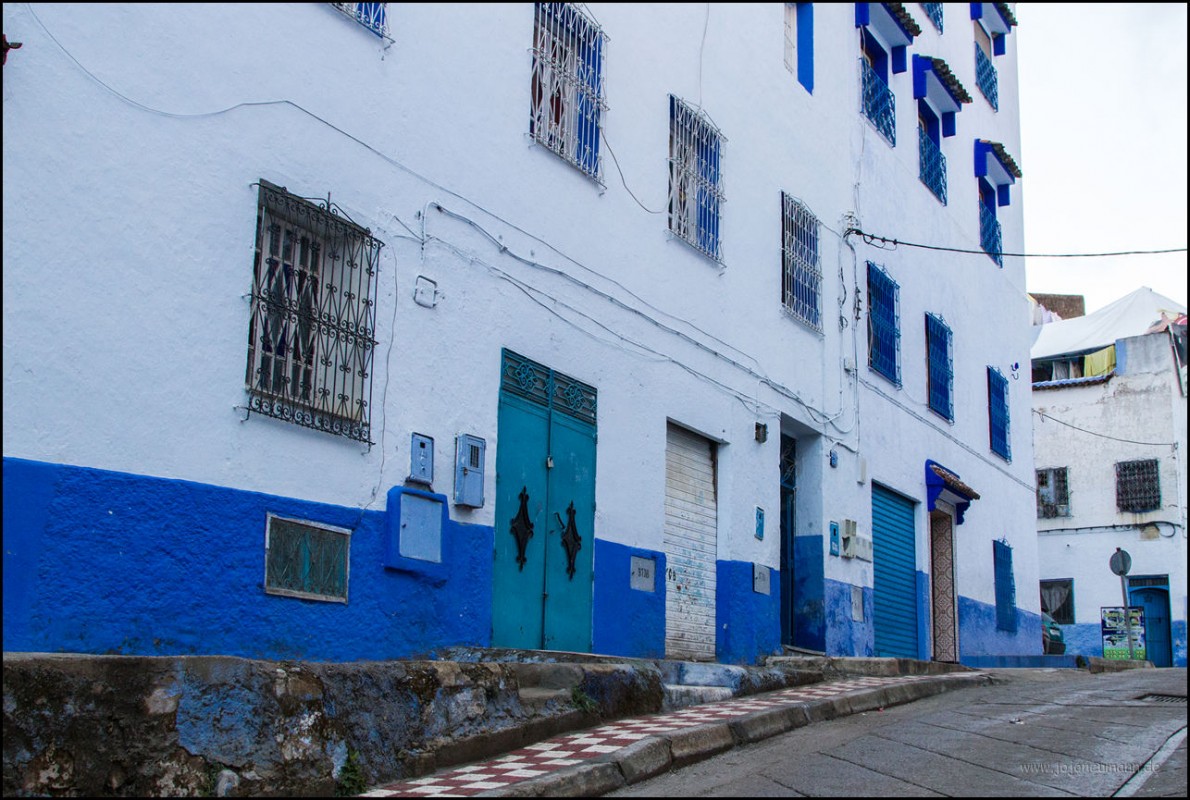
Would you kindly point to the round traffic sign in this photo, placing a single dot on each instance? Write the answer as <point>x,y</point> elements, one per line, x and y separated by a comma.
<point>1120,562</point>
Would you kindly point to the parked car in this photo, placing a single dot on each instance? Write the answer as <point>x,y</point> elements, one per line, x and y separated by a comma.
<point>1052,642</point>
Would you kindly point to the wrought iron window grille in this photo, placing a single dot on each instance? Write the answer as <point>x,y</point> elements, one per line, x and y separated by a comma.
<point>801,275</point>
<point>884,324</point>
<point>373,16</point>
<point>542,385</point>
<point>313,322</point>
<point>932,165</point>
<point>940,363</point>
<point>1138,486</point>
<point>695,178</point>
<point>879,104</point>
<point>934,12</point>
<point>1053,493</point>
<point>990,238</point>
<point>985,77</point>
<point>567,88</point>
<point>306,559</point>
<point>998,422</point>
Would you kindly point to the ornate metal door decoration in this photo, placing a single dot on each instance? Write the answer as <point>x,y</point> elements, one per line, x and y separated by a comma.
<point>571,540</point>
<point>522,528</point>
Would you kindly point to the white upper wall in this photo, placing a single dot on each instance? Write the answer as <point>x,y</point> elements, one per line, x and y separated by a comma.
<point>129,227</point>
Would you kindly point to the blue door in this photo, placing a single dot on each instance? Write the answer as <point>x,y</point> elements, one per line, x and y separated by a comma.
<point>1155,602</point>
<point>894,574</point>
<point>545,509</point>
<point>788,504</point>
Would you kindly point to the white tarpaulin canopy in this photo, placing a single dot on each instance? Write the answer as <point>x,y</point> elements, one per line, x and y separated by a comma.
<point>1131,315</point>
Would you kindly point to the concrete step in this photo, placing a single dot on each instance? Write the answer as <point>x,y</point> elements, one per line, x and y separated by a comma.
<point>677,695</point>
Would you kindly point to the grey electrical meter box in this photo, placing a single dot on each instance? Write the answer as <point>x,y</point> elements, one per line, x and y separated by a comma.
<point>469,461</point>
<point>421,459</point>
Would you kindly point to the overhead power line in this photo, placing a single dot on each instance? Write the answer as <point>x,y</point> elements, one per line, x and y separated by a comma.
<point>872,239</point>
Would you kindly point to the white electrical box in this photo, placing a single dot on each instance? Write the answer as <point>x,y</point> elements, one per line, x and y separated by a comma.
<point>847,539</point>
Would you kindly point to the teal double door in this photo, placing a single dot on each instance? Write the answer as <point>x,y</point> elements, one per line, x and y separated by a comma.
<point>545,509</point>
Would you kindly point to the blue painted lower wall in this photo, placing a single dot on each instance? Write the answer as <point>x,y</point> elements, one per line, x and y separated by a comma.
<point>628,622</point>
<point>747,623</point>
<point>978,636</point>
<point>846,636</point>
<point>809,597</point>
<point>1086,639</point>
<point>108,562</point>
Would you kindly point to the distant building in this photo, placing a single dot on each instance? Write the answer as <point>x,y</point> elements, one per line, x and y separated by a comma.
<point>364,330</point>
<point>1109,439</point>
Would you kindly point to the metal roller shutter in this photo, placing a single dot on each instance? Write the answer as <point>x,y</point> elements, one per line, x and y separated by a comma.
<point>690,545</point>
<point>894,574</point>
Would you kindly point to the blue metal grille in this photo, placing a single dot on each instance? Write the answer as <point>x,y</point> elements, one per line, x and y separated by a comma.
<point>880,106</point>
<point>941,366</point>
<point>998,413</point>
<point>695,189</point>
<point>304,560</point>
<point>989,234</point>
<point>801,277</point>
<point>544,386</point>
<point>934,12</point>
<point>985,76</point>
<point>884,324</point>
<point>1005,586</point>
<point>932,168</point>
<point>566,90</point>
<point>371,15</point>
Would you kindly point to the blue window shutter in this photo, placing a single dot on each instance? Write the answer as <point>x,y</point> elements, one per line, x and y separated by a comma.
<point>708,202</point>
<point>1005,586</point>
<point>998,413</point>
<point>884,325</point>
<point>588,103</point>
<point>940,364</point>
<point>805,45</point>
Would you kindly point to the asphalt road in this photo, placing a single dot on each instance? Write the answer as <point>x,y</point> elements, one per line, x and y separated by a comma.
<point>1032,733</point>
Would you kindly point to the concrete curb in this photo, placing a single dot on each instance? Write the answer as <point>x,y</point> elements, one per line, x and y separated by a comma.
<point>657,754</point>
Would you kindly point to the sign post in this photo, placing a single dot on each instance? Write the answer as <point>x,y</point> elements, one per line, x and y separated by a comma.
<point>1120,563</point>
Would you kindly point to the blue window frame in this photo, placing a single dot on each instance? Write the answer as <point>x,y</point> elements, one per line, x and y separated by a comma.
<point>566,89</point>
<point>801,275</point>
<point>1005,586</point>
<point>879,102</point>
<point>799,28</point>
<point>934,12</point>
<point>940,363</point>
<point>931,161</point>
<point>940,97</point>
<point>998,422</point>
<point>884,324</point>
<point>886,31</point>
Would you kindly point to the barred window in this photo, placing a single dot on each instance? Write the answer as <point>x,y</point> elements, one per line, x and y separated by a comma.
<point>1053,493</point>
<point>306,559</point>
<point>372,16</point>
<point>801,278</point>
<point>566,90</point>
<point>310,338</point>
<point>695,191</point>
<point>998,423</point>
<point>1005,585</point>
<point>1138,486</point>
<point>940,367</point>
<point>1057,599</point>
<point>884,324</point>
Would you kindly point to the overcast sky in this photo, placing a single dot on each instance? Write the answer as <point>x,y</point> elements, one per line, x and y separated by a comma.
<point>1103,146</point>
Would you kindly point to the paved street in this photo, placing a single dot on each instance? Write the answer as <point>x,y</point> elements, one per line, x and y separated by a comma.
<point>1034,733</point>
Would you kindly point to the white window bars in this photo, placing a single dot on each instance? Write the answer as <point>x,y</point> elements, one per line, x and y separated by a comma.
<point>695,178</point>
<point>566,90</point>
<point>373,16</point>
<point>801,276</point>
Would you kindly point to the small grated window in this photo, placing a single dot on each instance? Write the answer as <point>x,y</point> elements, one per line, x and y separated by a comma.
<point>373,16</point>
<point>801,277</point>
<point>1053,493</point>
<point>695,179</point>
<point>1005,586</point>
<point>998,423</point>
<point>566,90</point>
<point>940,376</point>
<point>884,324</point>
<point>1057,599</point>
<point>1138,486</point>
<point>306,559</point>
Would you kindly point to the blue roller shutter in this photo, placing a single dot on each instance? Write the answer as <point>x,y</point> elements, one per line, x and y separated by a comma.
<point>894,574</point>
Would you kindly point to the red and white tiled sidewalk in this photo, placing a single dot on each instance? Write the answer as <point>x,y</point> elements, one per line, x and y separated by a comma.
<point>574,748</point>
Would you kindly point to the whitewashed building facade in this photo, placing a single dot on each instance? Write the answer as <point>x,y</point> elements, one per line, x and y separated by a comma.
<point>345,331</point>
<point>1109,401</point>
